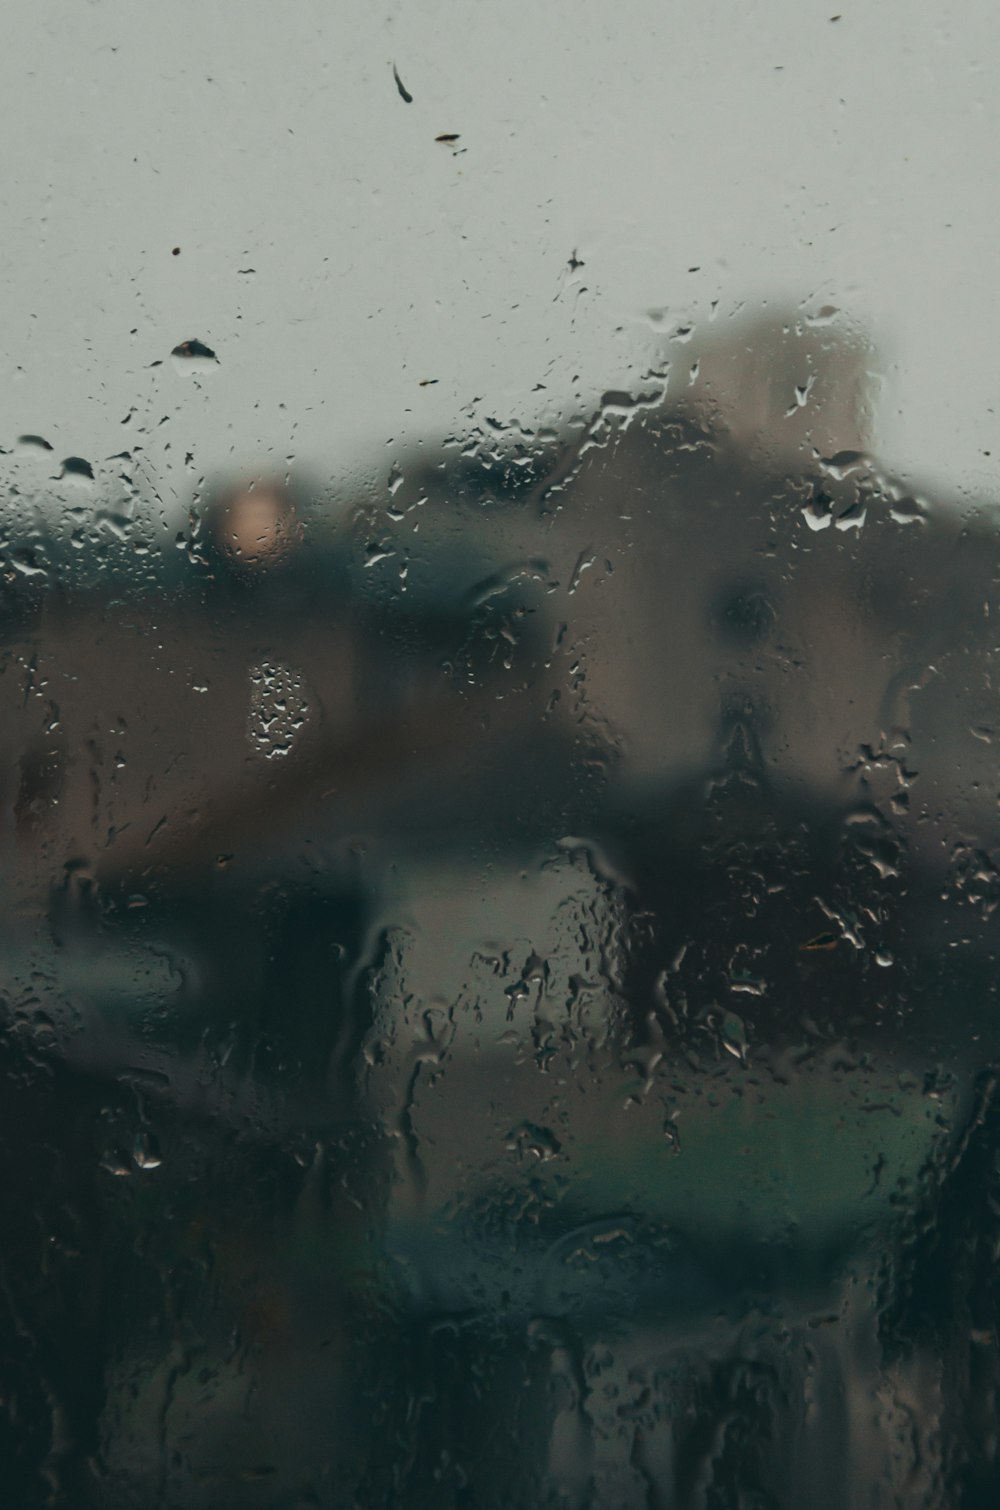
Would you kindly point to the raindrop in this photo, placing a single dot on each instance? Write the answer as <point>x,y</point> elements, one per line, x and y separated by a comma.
<point>145,1150</point>
<point>733,1033</point>
<point>193,357</point>
<point>75,466</point>
<point>404,93</point>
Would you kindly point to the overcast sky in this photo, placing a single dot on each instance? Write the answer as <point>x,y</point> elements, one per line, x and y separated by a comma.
<point>363,285</point>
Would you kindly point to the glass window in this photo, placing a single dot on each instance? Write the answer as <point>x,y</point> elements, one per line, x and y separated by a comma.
<point>498,757</point>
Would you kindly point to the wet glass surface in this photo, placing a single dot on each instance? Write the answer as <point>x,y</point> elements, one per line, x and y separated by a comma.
<point>498,784</point>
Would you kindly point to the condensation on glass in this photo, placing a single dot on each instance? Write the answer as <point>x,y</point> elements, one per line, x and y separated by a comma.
<point>498,760</point>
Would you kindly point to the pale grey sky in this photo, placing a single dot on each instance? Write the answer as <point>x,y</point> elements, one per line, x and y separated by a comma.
<point>334,255</point>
